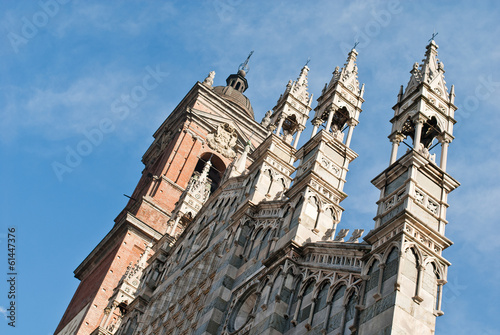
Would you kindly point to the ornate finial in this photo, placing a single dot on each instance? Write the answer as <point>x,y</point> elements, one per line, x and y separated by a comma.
<point>434,34</point>
<point>206,170</point>
<point>244,66</point>
<point>308,60</point>
<point>341,235</point>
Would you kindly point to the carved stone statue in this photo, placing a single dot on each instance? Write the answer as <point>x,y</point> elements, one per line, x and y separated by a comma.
<point>209,80</point>
<point>267,119</point>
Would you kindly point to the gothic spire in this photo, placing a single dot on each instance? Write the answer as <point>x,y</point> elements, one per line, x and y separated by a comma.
<point>298,88</point>
<point>425,112</point>
<point>340,102</point>
<point>348,75</point>
<point>240,164</point>
<point>430,71</point>
<point>292,109</point>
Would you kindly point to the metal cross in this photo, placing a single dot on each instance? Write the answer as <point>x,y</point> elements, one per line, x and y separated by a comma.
<point>434,34</point>
<point>355,44</point>
<point>308,60</point>
<point>244,65</point>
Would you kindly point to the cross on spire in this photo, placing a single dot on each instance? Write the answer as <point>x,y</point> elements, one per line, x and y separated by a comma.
<point>308,60</point>
<point>434,34</point>
<point>355,44</point>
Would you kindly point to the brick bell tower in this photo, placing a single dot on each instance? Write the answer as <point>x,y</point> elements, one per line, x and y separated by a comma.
<point>201,137</point>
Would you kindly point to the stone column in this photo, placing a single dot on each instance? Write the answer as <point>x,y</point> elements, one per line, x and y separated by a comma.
<point>297,136</point>
<point>311,314</point>
<point>352,123</point>
<point>331,111</point>
<point>439,298</point>
<point>327,320</point>
<point>111,311</point>
<point>105,317</point>
<point>396,139</point>
<point>281,276</point>
<point>397,284</point>
<point>297,310</point>
<point>444,153</point>
<point>177,219</point>
<point>394,151</point>
<point>316,123</point>
<point>378,294</point>
<point>344,315</point>
<point>418,133</point>
<point>420,276</point>
<point>280,124</point>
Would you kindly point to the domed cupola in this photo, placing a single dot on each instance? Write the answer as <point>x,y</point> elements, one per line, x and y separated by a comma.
<point>236,85</point>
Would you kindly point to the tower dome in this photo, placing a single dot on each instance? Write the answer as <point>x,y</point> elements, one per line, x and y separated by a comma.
<point>236,84</point>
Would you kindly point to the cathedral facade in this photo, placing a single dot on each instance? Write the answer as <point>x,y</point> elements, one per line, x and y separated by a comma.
<point>235,229</point>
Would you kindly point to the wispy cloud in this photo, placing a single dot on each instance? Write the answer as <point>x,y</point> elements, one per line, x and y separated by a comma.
<point>60,112</point>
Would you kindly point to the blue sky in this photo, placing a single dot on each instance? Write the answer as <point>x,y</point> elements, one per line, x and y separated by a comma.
<point>67,73</point>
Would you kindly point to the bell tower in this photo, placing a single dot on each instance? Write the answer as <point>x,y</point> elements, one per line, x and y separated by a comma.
<point>182,167</point>
<point>405,270</point>
<point>425,110</point>
<point>320,177</point>
<point>291,112</point>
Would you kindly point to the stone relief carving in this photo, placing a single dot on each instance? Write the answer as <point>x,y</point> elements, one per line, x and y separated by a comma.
<point>419,197</point>
<point>223,140</point>
<point>432,206</point>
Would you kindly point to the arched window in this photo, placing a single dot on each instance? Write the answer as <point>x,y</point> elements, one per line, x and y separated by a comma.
<point>294,294</point>
<point>294,221</point>
<point>286,221</point>
<point>132,326</point>
<point>390,271</point>
<point>312,210</point>
<point>411,267</point>
<point>178,256</point>
<point>256,244</point>
<point>337,308</point>
<point>372,282</point>
<point>349,312</point>
<point>330,214</point>
<point>244,238</point>
<point>254,182</point>
<point>275,287</point>
<point>432,285</point>
<point>306,303</point>
<point>263,246</point>
<point>320,305</point>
